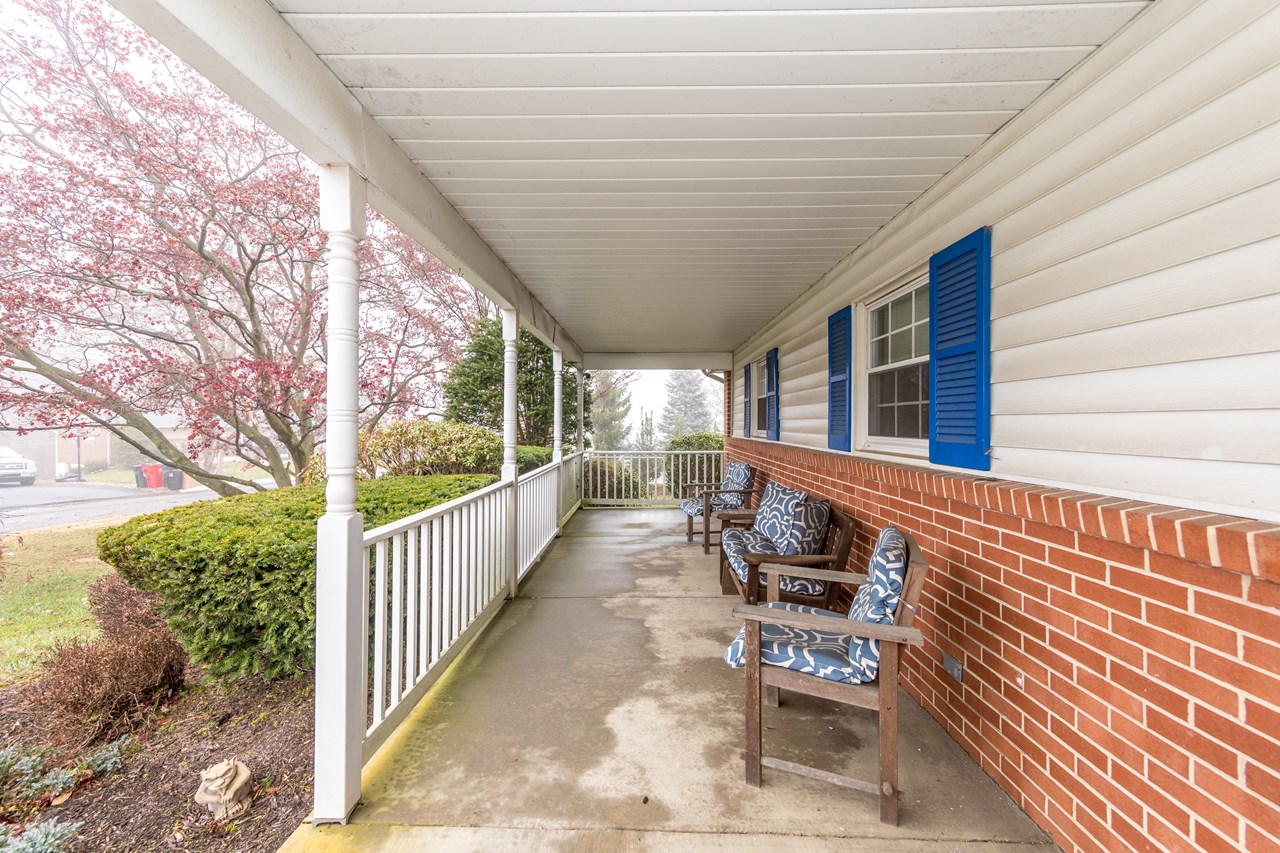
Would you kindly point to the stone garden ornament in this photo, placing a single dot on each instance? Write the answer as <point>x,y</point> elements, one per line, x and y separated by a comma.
<point>225,789</point>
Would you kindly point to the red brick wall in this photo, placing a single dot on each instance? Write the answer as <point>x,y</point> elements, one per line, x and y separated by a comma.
<point>1121,660</point>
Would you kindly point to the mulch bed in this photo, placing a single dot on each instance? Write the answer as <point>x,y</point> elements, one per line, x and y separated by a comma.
<point>149,805</point>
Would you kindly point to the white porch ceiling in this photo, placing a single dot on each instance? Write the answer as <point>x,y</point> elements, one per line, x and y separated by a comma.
<point>667,175</point>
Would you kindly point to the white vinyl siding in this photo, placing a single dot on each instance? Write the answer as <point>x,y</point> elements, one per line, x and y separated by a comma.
<point>1135,303</point>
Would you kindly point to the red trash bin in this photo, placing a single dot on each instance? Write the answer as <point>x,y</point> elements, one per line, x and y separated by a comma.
<point>154,475</point>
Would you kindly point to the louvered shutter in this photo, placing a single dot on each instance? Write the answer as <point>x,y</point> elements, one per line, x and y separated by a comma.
<point>960,353</point>
<point>746,401</point>
<point>771,394</point>
<point>839,364</point>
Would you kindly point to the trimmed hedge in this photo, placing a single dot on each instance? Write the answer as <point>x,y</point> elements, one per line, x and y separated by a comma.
<point>237,575</point>
<point>531,457</point>
<point>701,468</point>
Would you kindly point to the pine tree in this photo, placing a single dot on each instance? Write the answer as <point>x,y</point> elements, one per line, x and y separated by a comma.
<point>688,407</point>
<point>474,387</point>
<point>611,408</point>
<point>646,437</point>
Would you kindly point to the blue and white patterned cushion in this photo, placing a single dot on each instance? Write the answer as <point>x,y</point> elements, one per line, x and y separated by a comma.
<point>693,506</point>
<point>876,600</point>
<point>821,653</point>
<point>830,655</point>
<point>737,543</point>
<point>737,476</point>
<point>808,529</point>
<point>777,511</point>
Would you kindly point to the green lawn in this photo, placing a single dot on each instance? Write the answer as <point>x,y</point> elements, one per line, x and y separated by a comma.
<point>123,477</point>
<point>44,580</point>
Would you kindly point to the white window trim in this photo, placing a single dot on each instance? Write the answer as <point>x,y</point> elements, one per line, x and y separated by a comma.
<point>914,447</point>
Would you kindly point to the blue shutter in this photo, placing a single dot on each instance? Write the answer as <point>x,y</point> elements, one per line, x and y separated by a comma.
<point>839,363</point>
<point>746,401</point>
<point>771,394</point>
<point>960,353</point>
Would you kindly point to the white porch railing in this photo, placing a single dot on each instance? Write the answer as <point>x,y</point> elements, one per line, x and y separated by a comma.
<point>570,485</point>
<point>646,478</point>
<point>437,578</point>
<point>538,506</point>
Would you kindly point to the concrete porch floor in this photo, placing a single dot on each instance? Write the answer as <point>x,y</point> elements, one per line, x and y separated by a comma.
<point>596,714</point>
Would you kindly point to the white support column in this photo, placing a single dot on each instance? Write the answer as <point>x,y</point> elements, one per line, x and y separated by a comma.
<point>582,424</point>
<point>340,620</point>
<point>510,471</point>
<point>557,430</point>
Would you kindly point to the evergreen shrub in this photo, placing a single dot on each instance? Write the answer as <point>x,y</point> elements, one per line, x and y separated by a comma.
<point>693,469</point>
<point>236,576</point>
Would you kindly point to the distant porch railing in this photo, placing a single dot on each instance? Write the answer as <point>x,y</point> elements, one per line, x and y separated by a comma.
<point>646,477</point>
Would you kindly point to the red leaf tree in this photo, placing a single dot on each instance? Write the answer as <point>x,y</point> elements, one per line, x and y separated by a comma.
<point>160,256</point>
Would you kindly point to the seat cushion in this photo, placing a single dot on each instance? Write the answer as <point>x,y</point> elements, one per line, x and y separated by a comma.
<point>876,600</point>
<point>777,512</point>
<point>808,530</point>
<point>737,543</point>
<point>821,653</point>
<point>693,506</point>
<point>736,476</point>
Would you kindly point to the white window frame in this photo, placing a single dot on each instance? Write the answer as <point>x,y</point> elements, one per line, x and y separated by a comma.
<point>918,447</point>
<point>760,384</point>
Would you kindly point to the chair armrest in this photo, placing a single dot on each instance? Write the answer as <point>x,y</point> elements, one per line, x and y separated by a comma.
<point>852,578</point>
<point>790,559</point>
<point>688,486</point>
<point>835,624</point>
<point>736,515</point>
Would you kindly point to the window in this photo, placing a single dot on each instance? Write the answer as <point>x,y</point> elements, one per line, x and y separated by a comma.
<point>760,418</point>
<point>898,369</point>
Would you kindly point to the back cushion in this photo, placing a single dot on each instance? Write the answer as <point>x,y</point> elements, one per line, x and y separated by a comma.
<point>876,600</point>
<point>777,511</point>
<point>737,476</point>
<point>808,529</point>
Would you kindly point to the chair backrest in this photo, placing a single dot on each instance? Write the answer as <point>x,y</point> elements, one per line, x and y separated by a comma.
<point>737,475</point>
<point>890,595</point>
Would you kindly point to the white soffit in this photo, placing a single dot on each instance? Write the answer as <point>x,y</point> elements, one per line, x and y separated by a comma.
<point>667,175</point>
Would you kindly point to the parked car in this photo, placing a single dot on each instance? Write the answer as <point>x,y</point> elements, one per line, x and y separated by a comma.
<point>14,467</point>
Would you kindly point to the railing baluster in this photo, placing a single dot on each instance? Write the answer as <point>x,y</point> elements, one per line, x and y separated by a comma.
<point>437,588</point>
<point>380,633</point>
<point>411,600</point>
<point>397,616</point>
<point>423,539</point>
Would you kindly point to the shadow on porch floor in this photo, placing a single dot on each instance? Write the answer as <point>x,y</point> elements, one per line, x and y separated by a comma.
<point>596,714</point>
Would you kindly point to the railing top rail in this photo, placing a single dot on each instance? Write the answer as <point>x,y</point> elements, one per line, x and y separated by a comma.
<point>538,472</point>
<point>388,530</point>
<point>652,452</point>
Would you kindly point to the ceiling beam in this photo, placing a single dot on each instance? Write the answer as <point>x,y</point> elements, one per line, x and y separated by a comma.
<point>246,49</point>
<point>657,361</point>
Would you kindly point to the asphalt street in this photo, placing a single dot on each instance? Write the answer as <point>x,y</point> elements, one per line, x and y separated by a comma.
<point>54,504</point>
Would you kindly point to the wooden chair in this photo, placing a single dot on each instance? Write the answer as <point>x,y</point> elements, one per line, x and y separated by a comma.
<point>701,499</point>
<point>879,695</point>
<point>834,553</point>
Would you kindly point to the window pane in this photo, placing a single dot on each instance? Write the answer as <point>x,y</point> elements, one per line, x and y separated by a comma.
<point>762,414</point>
<point>909,384</point>
<point>900,346</point>
<point>879,352</point>
<point>922,303</point>
<point>900,313</point>
<point>921,347</point>
<point>909,421</point>
<point>880,321</point>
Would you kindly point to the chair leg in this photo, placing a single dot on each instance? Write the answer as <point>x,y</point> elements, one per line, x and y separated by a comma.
<point>888,693</point>
<point>752,754</point>
<point>771,697</point>
<point>688,528</point>
<point>706,534</point>
<point>727,586</point>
